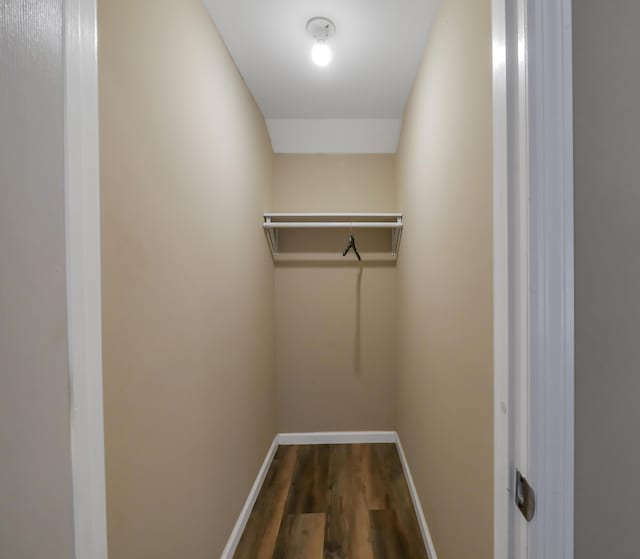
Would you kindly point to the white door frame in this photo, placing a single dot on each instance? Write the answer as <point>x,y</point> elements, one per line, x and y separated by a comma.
<point>536,36</point>
<point>82,214</point>
<point>533,274</point>
<point>552,281</point>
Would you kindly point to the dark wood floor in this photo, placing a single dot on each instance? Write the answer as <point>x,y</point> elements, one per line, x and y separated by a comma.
<point>333,502</point>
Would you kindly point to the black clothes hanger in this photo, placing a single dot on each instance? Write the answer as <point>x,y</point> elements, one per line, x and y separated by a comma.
<point>351,244</point>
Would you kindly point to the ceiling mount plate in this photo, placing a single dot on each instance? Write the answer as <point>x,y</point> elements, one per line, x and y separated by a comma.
<point>321,28</point>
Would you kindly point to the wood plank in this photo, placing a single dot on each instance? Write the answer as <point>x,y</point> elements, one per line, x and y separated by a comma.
<point>374,481</point>
<point>284,535</point>
<point>301,537</point>
<point>360,540</point>
<point>388,540</point>
<point>403,520</point>
<point>259,538</point>
<point>308,493</point>
<point>337,530</point>
<point>348,532</point>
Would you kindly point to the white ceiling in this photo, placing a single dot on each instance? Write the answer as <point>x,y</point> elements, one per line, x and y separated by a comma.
<point>377,48</point>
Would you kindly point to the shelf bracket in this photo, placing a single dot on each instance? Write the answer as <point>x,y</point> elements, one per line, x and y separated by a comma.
<point>395,238</point>
<point>272,236</point>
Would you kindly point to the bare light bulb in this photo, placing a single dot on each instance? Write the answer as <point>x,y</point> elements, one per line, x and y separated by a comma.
<point>321,54</point>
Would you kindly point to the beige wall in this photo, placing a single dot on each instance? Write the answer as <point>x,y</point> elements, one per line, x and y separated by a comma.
<point>607,275</point>
<point>36,517</point>
<point>334,183</point>
<point>335,320</point>
<point>445,379</point>
<point>187,281</point>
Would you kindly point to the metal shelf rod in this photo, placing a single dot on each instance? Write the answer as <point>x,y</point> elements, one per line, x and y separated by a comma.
<point>344,215</point>
<point>334,225</point>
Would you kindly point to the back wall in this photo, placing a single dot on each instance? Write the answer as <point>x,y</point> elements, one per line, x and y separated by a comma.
<point>335,319</point>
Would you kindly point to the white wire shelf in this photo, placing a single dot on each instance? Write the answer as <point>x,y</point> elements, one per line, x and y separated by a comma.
<point>273,222</point>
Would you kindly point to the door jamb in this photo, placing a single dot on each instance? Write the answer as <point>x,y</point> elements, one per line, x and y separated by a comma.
<point>552,279</point>
<point>82,216</point>
<point>542,52</point>
<point>501,411</point>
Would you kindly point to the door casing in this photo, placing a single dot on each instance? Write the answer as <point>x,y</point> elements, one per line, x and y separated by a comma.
<point>84,322</point>
<point>533,274</point>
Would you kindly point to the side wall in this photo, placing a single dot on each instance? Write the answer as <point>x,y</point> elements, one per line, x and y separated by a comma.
<point>335,320</point>
<point>607,276</point>
<point>36,517</point>
<point>187,281</point>
<point>445,286</point>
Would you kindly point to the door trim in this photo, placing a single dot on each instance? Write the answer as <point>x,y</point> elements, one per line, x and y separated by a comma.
<point>552,278</point>
<point>549,55</point>
<point>533,171</point>
<point>82,216</point>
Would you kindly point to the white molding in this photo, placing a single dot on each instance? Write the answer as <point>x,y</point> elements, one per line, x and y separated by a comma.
<point>245,513</point>
<point>417,505</point>
<point>501,280</point>
<point>533,281</point>
<point>82,204</point>
<point>334,135</point>
<point>338,437</point>
<point>552,279</point>
<point>533,274</point>
<point>519,266</point>
<point>512,283</point>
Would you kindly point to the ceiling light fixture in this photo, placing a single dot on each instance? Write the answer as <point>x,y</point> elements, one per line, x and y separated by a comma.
<point>321,28</point>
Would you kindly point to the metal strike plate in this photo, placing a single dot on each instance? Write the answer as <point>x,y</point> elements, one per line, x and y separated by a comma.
<point>525,497</point>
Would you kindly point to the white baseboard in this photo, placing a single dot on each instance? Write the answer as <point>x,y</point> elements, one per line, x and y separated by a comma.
<point>422,521</point>
<point>245,513</point>
<point>337,437</point>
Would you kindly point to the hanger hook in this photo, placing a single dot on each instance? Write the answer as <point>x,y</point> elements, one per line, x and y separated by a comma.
<point>351,244</point>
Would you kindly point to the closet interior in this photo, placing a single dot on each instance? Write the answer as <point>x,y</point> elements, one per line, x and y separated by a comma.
<point>252,289</point>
